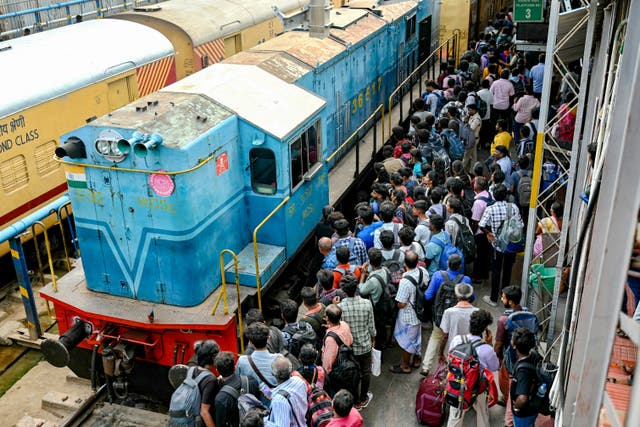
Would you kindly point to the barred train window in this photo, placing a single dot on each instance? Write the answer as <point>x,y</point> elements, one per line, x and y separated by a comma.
<point>13,173</point>
<point>263,171</point>
<point>45,162</point>
<point>305,154</point>
<point>410,27</point>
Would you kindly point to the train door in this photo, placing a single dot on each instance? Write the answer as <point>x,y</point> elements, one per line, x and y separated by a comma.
<point>119,92</point>
<point>424,40</point>
<point>232,45</point>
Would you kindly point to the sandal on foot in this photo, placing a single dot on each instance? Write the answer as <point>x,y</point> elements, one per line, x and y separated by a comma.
<point>397,369</point>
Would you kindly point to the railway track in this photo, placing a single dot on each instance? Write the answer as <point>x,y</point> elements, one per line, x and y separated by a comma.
<point>97,411</point>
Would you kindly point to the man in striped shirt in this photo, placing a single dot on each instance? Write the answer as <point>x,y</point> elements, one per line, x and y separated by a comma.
<point>289,402</point>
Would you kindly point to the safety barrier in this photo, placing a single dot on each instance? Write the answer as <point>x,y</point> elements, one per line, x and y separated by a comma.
<point>447,49</point>
<point>19,18</point>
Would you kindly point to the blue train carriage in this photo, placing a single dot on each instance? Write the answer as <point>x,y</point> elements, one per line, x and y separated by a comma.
<point>368,52</point>
<point>160,187</point>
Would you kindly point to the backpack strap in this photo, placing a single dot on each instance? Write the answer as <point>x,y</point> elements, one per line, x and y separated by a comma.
<point>258,373</point>
<point>396,255</point>
<point>199,378</point>
<point>340,270</point>
<point>335,337</point>
<point>230,391</point>
<point>286,395</point>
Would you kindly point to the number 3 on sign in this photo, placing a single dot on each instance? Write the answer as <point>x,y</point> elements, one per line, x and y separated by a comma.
<point>527,13</point>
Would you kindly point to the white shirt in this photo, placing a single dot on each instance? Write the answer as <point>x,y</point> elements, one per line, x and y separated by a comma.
<point>486,96</point>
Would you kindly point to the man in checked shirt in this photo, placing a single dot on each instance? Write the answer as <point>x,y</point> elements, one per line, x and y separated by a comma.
<point>358,313</point>
<point>493,218</point>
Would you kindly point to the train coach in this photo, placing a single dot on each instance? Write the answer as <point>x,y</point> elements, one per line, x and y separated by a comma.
<point>204,32</point>
<point>237,147</point>
<point>89,69</point>
<point>48,88</point>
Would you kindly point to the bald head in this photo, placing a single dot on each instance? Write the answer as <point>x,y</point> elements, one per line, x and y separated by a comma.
<point>324,245</point>
<point>281,368</point>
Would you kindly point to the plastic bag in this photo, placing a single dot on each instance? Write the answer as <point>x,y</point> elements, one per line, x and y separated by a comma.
<point>376,362</point>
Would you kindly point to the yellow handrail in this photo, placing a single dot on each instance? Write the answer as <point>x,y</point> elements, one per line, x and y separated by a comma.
<point>344,144</point>
<point>255,247</point>
<point>223,293</point>
<point>415,71</point>
<point>201,163</point>
<point>48,246</point>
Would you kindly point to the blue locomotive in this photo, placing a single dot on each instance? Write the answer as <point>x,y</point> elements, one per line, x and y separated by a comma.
<point>161,187</point>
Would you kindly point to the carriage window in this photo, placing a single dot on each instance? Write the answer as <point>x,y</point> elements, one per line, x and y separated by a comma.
<point>410,27</point>
<point>305,154</point>
<point>263,171</point>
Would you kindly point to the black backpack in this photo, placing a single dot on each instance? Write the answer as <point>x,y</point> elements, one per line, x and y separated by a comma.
<point>420,306</point>
<point>346,370</point>
<point>465,241</point>
<point>545,373</point>
<point>445,297</point>
<point>301,333</point>
<point>383,309</point>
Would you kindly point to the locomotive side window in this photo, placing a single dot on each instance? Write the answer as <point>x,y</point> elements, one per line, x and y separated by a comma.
<point>410,27</point>
<point>263,171</point>
<point>305,154</point>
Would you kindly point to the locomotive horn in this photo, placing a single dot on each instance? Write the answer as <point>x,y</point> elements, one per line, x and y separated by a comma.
<point>124,145</point>
<point>151,141</point>
<point>57,351</point>
<point>72,147</point>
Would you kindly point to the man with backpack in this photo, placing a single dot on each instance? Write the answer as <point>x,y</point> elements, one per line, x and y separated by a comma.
<point>440,246</point>
<point>346,415</point>
<point>289,402</point>
<point>411,305</point>
<point>524,383</point>
<point>434,98</point>
<point>460,232</point>
<point>474,347</point>
<point>357,248</point>
<point>258,363</point>
<point>392,259</point>
<point>441,290</point>
<point>338,360</point>
<point>387,213</point>
<point>232,387</point>
<point>514,317</point>
<point>375,285</point>
<point>357,312</point>
<point>521,183</point>
<point>501,222</point>
<point>344,266</point>
<point>192,403</point>
<point>295,333</point>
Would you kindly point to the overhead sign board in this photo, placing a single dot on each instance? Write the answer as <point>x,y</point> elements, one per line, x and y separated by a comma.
<point>528,10</point>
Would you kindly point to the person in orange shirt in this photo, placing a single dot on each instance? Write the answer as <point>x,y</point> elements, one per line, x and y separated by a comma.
<point>343,254</point>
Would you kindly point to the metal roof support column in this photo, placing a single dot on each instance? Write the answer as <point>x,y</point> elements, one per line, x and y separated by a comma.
<point>579,146</point>
<point>542,130</point>
<point>613,231</point>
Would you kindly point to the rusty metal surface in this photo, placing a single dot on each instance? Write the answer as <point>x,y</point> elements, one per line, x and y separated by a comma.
<point>178,117</point>
<point>278,64</point>
<point>393,11</point>
<point>257,96</point>
<point>298,44</point>
<point>360,29</point>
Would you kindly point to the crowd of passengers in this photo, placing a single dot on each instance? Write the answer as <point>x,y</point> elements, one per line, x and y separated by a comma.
<point>446,185</point>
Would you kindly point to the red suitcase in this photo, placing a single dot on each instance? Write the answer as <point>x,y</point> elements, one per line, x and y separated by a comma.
<point>429,400</point>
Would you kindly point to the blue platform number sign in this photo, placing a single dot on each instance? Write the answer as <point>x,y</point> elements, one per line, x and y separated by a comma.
<point>528,10</point>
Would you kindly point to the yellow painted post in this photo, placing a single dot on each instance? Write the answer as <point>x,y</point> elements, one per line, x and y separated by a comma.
<point>255,248</point>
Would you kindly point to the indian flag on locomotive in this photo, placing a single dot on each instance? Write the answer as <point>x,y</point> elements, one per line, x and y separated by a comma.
<point>76,177</point>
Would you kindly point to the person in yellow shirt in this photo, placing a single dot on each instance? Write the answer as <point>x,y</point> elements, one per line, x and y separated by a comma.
<point>503,137</point>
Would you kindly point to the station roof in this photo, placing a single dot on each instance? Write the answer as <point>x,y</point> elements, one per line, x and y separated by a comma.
<point>43,66</point>
<point>206,20</point>
<point>255,95</point>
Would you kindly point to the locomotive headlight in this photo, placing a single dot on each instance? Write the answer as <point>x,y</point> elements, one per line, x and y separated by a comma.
<point>107,146</point>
